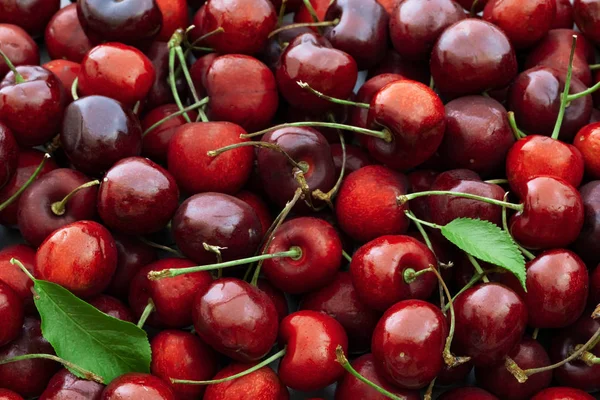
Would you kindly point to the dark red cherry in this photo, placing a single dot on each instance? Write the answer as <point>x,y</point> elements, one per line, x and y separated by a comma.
<point>236,319</point>
<point>394,63</point>
<point>81,257</point>
<point>99,131</point>
<point>467,393</point>
<point>552,216</point>
<point>586,141</point>
<point>260,384</point>
<point>18,46</point>
<point>113,307</point>
<point>358,115</point>
<point>277,297</point>
<point>478,135</point>
<point>421,181</point>
<point>11,312</point>
<point>65,71</point>
<point>356,158</point>
<point>410,358</point>
<point>6,394</point>
<point>33,16</point>
<point>155,144</point>
<point>182,355</point>
<point>65,38</point>
<point>160,93</point>
<point>27,377</point>
<point>564,15</point>
<point>218,220</point>
<point>66,386</point>
<point>416,25</point>
<point>562,393</point>
<point>260,209</point>
<point>527,354</point>
<point>484,331</point>
<point>450,376</point>
<point>587,17</point>
<point>9,154</point>
<point>12,275</point>
<point>587,243</point>
<point>137,386</point>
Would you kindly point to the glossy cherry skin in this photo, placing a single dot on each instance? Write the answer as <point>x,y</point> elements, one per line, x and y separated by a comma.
<point>247,24</point>
<point>12,275</point>
<point>160,93</point>
<point>236,319</point>
<point>155,144</point>
<point>262,384</point>
<point>586,244</point>
<point>587,17</point>
<point>415,116</point>
<point>129,22</point>
<point>6,394</point>
<point>81,257</point>
<point>310,361</point>
<point>113,307</point>
<point>137,386</point>
<point>219,220</point>
<point>564,15</point>
<point>65,71</point>
<point>99,131</point>
<point>478,135</point>
<point>378,268</point>
<point>416,25</point>
<point>470,57</point>
<point>66,386</point>
<point>303,145</point>
<point>65,38</point>
<point>467,393</point>
<point>552,217</point>
<point>175,15</point>
<point>417,331</point>
<point>349,387</point>
<point>173,297</point>
<point>312,59</point>
<point>33,109</point>
<point>260,209</point>
<point>35,217</point>
<point>18,46</point>
<point>527,354</point>
<point>534,97</point>
<point>321,255</point>
<point>484,331</point>
<point>27,377</point>
<point>444,209</point>
<point>9,154</point>
<point>11,312</point>
<point>540,155</point>
<point>195,171</point>
<point>182,355</point>
<point>320,7</point>
<point>102,73</point>
<point>562,393</point>
<point>587,141</point>
<point>132,255</point>
<point>137,197</point>
<point>358,115</point>
<point>33,16</point>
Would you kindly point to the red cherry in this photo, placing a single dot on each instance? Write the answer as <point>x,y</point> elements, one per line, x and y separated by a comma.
<point>277,297</point>
<point>14,277</point>
<point>31,15</point>
<point>113,307</point>
<point>9,154</point>
<point>65,71</point>
<point>450,376</point>
<point>136,386</point>
<point>358,115</point>
<point>260,384</point>
<point>66,386</point>
<point>81,257</point>
<point>564,15</point>
<point>18,46</point>
<point>587,141</point>
<point>260,209</point>
<point>155,143</point>
<point>160,93</point>
<point>6,394</point>
<point>65,38</point>
<point>11,312</point>
<point>356,158</point>
<point>562,393</point>
<point>174,16</point>
<point>393,63</point>
<point>467,393</point>
<point>587,18</point>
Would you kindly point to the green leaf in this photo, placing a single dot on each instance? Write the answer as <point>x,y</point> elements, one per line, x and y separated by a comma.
<point>487,242</point>
<point>89,338</point>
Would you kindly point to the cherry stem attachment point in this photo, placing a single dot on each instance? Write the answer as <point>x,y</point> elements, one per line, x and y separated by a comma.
<point>517,133</point>
<point>412,217</point>
<point>18,77</point>
<point>200,104</point>
<point>19,264</point>
<point>403,199</point>
<point>302,166</point>
<point>149,309</point>
<point>74,87</point>
<point>410,275</point>
<point>304,25</point>
<point>160,246</point>
<point>384,135</point>
<point>565,95</point>
<point>32,178</point>
<point>335,100</point>
<point>59,207</point>
<point>88,375</point>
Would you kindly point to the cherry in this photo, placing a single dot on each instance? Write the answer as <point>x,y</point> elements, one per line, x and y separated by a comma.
<point>173,298</point>
<point>552,216</point>
<point>564,15</point>
<point>195,171</point>
<point>30,377</point>
<point>199,69</point>
<point>33,16</point>
<point>484,331</point>
<point>594,295</point>
<point>478,135</point>
<point>129,22</point>
<point>421,181</point>
<point>303,14</point>
<point>9,153</point>
<point>156,141</point>
<point>527,354</point>
<point>304,60</point>
<point>136,386</point>
<point>113,307</point>
<point>416,25</point>
<point>587,242</point>
<point>356,158</point>
<point>41,207</point>
<point>470,57</point>
<point>66,386</point>
<point>452,375</point>
<point>359,116</point>
<point>218,220</point>
<point>14,277</point>
<point>277,297</point>
<point>65,38</point>
<point>18,46</point>
<point>260,384</point>
<point>260,209</point>
<point>393,63</point>
<point>420,346</point>
<point>11,312</point>
<point>102,73</point>
<point>81,257</point>
<point>6,394</point>
<point>362,30</point>
<point>246,25</point>
<point>181,355</point>
<point>562,393</point>
<point>65,71</point>
<point>32,103</point>
<point>587,17</point>
<point>467,393</point>
<point>310,360</point>
<point>175,16</point>
<point>99,131</point>
<point>160,93</point>
<point>586,141</point>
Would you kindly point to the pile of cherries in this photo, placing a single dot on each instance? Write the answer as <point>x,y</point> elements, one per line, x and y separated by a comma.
<point>213,171</point>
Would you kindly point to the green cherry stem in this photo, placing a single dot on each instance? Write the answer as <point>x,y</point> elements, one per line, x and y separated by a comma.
<point>258,366</point>
<point>497,182</point>
<point>18,77</point>
<point>311,10</point>
<point>89,375</point>
<point>59,207</point>
<point>589,358</point>
<point>149,309</point>
<point>595,67</point>
<point>403,199</point>
<point>584,93</point>
<point>188,78</point>
<point>517,133</point>
<point>74,87</point>
<point>19,264</point>
<point>200,39</point>
<point>328,197</point>
<point>412,217</point>
<point>160,246</point>
<point>346,256</point>
<point>477,268</point>
<point>304,25</point>
<point>174,42</point>
<point>535,333</point>
<point>385,134</point>
<point>302,166</point>
<point>201,103</point>
<point>565,98</point>
<point>32,178</point>
<point>343,361</point>
<point>469,285</point>
<point>429,392</point>
<point>335,100</point>
<point>282,12</point>
<point>473,12</point>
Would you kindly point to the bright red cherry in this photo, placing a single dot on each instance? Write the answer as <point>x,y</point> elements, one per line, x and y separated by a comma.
<point>66,386</point>
<point>155,144</point>
<point>18,46</point>
<point>358,115</point>
<point>33,16</point>
<point>587,141</point>
<point>136,386</point>
<point>65,38</point>
<point>65,71</point>
<point>260,384</point>
<point>13,276</point>
<point>6,394</point>
<point>174,16</point>
<point>11,312</point>
<point>562,393</point>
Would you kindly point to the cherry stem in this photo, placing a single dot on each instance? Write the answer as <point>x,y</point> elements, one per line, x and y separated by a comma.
<point>431,83</point>
<point>304,25</point>
<point>32,178</point>
<point>59,207</point>
<point>385,134</point>
<point>589,358</point>
<point>282,12</point>
<point>474,8</point>
<point>469,285</point>
<point>497,182</point>
<point>19,264</point>
<point>517,133</point>
<point>584,93</point>
<point>429,392</point>
<point>335,100</point>
<point>343,361</point>
<point>346,256</point>
<point>595,67</point>
<point>523,250</point>
<point>403,199</point>
<point>535,333</point>
<point>202,38</point>
<point>565,98</point>
<point>327,197</point>
<point>258,366</point>
<point>188,78</point>
<point>477,268</point>
<point>173,42</point>
<point>149,309</point>
<point>74,87</point>
<point>201,103</point>
<point>294,253</point>
<point>311,11</point>
<point>410,275</point>
<point>302,166</point>
<point>159,246</point>
<point>89,375</point>
<point>217,252</point>
<point>412,216</point>
<point>18,77</point>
